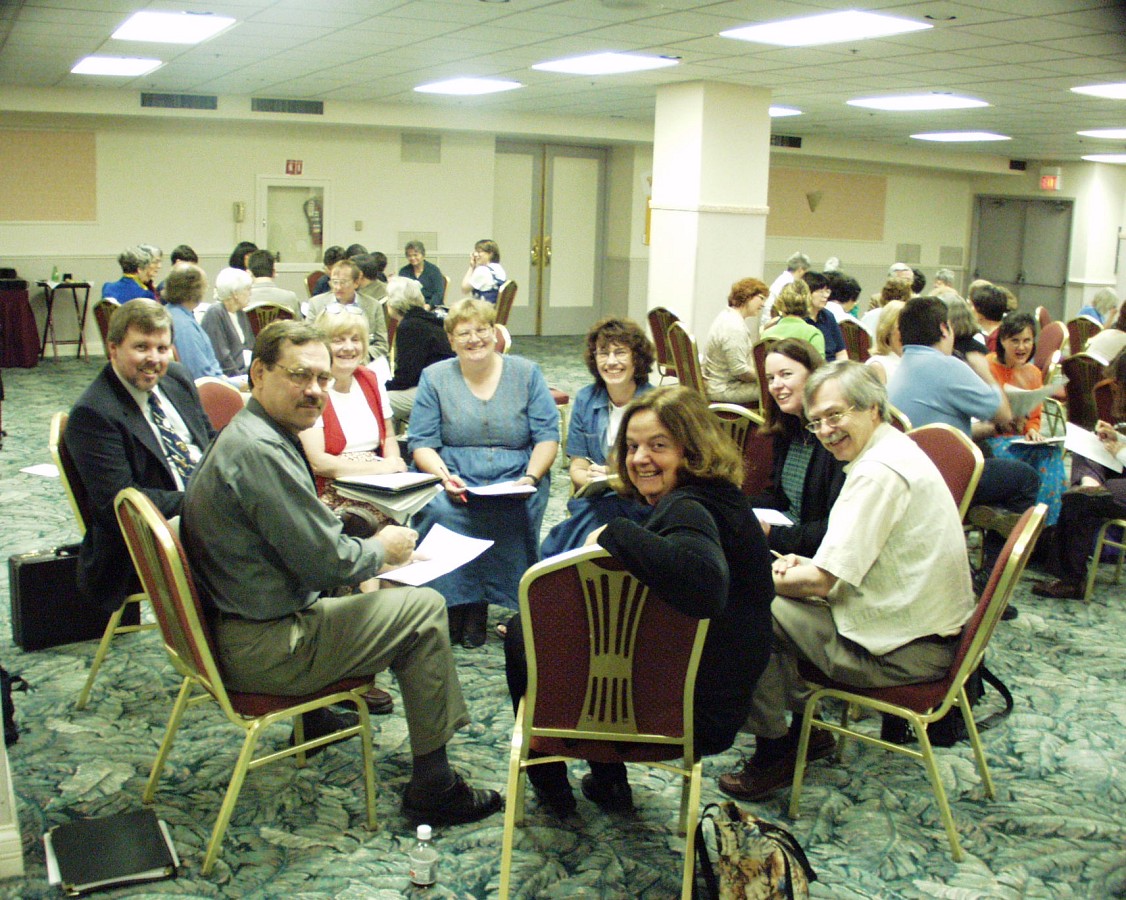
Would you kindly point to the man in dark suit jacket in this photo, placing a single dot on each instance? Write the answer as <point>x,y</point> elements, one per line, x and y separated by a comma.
<point>115,438</point>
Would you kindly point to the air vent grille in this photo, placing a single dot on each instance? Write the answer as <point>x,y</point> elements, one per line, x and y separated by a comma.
<point>1018,165</point>
<point>785,140</point>
<point>296,107</point>
<point>180,101</point>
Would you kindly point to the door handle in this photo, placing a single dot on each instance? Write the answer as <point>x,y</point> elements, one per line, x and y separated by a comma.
<point>547,250</point>
<point>536,252</point>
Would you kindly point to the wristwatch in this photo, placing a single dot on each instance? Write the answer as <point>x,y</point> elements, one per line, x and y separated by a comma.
<point>535,478</point>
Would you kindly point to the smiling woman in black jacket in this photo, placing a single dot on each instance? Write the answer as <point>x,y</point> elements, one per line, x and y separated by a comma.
<point>702,550</point>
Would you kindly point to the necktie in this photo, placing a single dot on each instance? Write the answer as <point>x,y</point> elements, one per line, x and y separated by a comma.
<point>174,448</point>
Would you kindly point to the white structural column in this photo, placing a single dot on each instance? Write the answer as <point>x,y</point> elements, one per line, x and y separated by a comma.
<point>711,158</point>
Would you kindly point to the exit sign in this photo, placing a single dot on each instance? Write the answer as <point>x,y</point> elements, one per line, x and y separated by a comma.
<point>293,167</point>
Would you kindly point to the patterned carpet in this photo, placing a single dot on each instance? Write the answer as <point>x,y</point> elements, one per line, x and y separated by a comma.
<point>870,825</point>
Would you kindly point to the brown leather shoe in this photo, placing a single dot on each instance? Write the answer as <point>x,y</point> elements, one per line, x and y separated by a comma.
<point>379,702</point>
<point>753,783</point>
<point>1058,589</point>
<point>457,805</point>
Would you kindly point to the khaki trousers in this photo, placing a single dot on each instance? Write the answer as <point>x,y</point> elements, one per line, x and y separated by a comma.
<point>403,630</point>
<point>806,630</point>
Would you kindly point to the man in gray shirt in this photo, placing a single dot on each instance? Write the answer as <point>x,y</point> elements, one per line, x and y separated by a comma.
<point>263,547</point>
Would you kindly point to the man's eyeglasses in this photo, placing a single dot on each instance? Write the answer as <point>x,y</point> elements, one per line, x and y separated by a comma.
<point>341,282</point>
<point>484,333</point>
<point>302,378</point>
<point>832,421</point>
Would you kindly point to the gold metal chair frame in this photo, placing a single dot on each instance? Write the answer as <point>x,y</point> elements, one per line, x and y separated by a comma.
<point>686,354</point>
<point>615,604</point>
<point>69,478</point>
<point>1021,543</point>
<point>158,558</point>
<point>1101,541</point>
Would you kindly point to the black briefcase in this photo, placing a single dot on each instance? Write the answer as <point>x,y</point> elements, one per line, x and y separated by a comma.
<point>46,608</point>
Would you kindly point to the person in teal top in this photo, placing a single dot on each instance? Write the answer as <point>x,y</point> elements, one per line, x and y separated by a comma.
<point>793,304</point>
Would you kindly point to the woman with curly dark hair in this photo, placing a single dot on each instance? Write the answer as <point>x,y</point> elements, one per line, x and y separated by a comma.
<point>619,356</point>
<point>703,550</point>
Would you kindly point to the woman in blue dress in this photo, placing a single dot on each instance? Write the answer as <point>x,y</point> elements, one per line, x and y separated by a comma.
<point>620,356</point>
<point>479,419</point>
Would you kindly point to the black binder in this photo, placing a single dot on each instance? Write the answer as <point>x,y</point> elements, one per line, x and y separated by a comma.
<point>125,848</point>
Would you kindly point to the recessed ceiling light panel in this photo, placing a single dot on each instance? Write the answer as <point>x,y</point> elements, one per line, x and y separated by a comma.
<point>606,64</point>
<point>827,28</point>
<point>468,87</point>
<point>960,137</point>
<point>779,112</point>
<point>917,102</point>
<point>1113,134</point>
<point>172,27</point>
<point>1117,158</point>
<point>1109,91</point>
<point>123,66</point>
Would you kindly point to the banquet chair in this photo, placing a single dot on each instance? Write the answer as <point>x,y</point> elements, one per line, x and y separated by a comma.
<point>311,280</point>
<point>611,678</point>
<point>1082,372</point>
<point>659,321</point>
<point>220,399</point>
<point>1104,539</point>
<point>1103,393</point>
<point>899,420</point>
<point>957,458</point>
<point>103,311</point>
<point>262,315</point>
<point>759,353</point>
<point>924,703</point>
<point>1080,330</point>
<point>686,359</point>
<point>858,344</point>
<point>163,570</point>
<point>1048,348</point>
<point>80,505</point>
<point>756,448</point>
<point>505,297</point>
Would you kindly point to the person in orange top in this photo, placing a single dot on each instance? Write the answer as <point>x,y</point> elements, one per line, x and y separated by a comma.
<point>1012,366</point>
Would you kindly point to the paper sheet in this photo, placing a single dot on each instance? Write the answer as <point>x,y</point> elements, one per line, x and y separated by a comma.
<point>1024,402</point>
<point>773,517</point>
<point>444,551</point>
<point>1087,444</point>
<point>503,489</point>
<point>47,470</point>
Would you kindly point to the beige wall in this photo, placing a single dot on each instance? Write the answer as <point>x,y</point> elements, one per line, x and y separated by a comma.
<point>172,179</point>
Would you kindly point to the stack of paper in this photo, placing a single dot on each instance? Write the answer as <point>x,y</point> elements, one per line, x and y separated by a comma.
<point>397,494</point>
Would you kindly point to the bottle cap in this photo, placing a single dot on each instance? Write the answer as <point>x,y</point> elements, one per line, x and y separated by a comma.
<point>423,832</point>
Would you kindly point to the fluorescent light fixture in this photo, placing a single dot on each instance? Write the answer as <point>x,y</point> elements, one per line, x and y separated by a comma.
<point>606,64</point>
<point>957,137</point>
<point>468,87</point>
<point>1113,134</point>
<point>1109,91</point>
<point>1119,158</point>
<point>917,102</point>
<point>125,66</point>
<point>172,27</point>
<point>780,112</point>
<point>826,28</point>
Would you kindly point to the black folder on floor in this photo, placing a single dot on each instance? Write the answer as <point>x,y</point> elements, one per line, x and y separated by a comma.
<point>126,848</point>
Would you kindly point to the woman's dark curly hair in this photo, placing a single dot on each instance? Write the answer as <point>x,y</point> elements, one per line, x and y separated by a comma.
<point>614,330</point>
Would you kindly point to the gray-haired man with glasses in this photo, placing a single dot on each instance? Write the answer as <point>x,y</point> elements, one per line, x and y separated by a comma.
<point>264,547</point>
<point>883,600</point>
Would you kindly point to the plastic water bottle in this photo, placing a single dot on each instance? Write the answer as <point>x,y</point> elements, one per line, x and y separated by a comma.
<point>424,859</point>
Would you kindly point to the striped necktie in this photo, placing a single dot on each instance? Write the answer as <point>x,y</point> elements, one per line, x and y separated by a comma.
<point>174,447</point>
